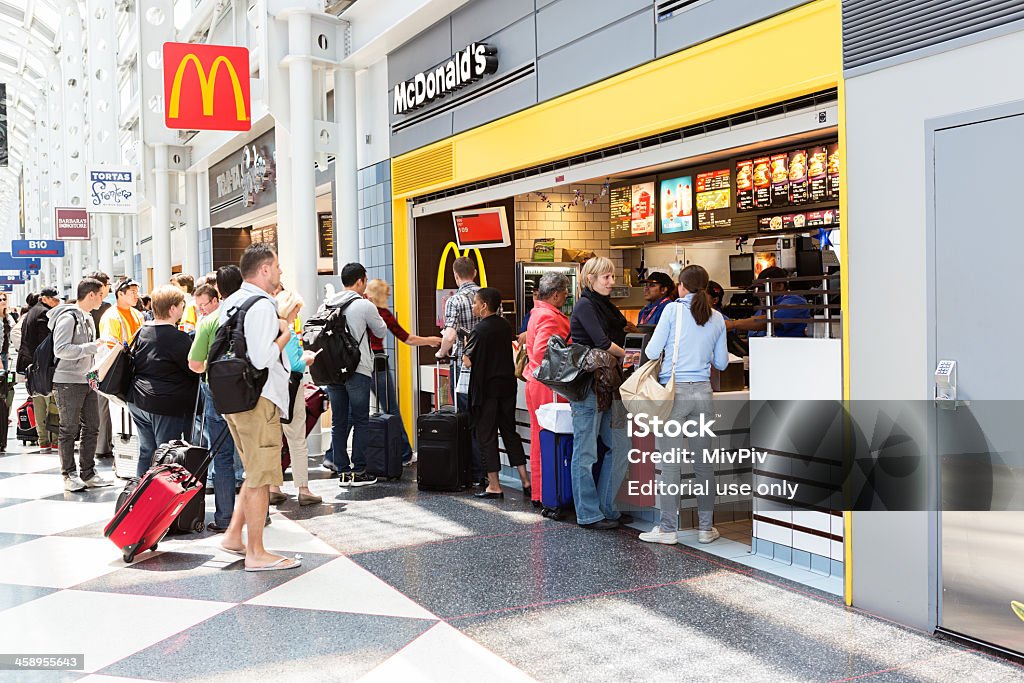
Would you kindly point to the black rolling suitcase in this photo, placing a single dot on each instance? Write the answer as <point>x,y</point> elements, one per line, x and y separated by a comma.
<point>383,439</point>
<point>445,443</point>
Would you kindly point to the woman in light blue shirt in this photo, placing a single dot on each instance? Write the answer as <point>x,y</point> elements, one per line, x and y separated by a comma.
<point>701,344</point>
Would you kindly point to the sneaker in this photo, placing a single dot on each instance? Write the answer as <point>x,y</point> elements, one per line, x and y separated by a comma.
<point>707,535</point>
<point>96,482</point>
<point>361,479</point>
<point>45,450</point>
<point>658,535</point>
<point>328,466</point>
<point>410,461</point>
<point>73,483</point>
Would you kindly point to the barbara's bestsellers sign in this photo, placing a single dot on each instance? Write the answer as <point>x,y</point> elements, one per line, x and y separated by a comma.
<point>111,190</point>
<point>194,98</point>
<point>72,224</point>
<point>465,67</point>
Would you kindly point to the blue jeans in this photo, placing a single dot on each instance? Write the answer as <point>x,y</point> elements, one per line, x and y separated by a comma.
<point>691,400</point>
<point>596,501</point>
<point>224,476</point>
<point>389,404</point>
<point>154,430</point>
<point>350,407</point>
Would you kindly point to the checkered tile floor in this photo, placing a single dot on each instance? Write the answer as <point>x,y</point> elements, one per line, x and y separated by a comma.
<point>401,586</point>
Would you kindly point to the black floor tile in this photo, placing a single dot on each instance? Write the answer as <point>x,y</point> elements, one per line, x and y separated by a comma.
<point>497,573</point>
<point>210,576</point>
<point>7,540</point>
<point>251,642</point>
<point>12,595</point>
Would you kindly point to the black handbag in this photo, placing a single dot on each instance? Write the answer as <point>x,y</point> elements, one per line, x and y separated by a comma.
<point>118,380</point>
<point>561,369</point>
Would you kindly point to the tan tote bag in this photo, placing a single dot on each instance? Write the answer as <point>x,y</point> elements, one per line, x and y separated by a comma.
<point>643,393</point>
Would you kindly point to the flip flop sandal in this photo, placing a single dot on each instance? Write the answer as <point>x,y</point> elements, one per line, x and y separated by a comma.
<point>276,566</point>
<point>240,553</point>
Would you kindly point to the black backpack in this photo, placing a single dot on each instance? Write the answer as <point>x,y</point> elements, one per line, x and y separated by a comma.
<point>39,375</point>
<point>337,349</point>
<point>236,384</point>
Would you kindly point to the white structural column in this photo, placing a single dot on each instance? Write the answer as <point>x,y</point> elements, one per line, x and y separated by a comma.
<point>285,226</point>
<point>302,236</point>
<point>161,216</point>
<point>190,260</point>
<point>203,210</point>
<point>346,226</point>
<point>128,224</point>
<point>105,228</point>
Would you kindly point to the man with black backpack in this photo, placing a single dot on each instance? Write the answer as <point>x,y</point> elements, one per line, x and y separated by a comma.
<point>34,330</point>
<point>349,391</point>
<point>249,383</point>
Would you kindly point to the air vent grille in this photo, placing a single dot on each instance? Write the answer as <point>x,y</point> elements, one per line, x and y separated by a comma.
<point>424,169</point>
<point>874,30</point>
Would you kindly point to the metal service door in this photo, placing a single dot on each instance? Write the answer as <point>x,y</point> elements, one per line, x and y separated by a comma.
<point>979,324</point>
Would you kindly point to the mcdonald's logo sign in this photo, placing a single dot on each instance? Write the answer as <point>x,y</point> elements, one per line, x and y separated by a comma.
<point>452,248</point>
<point>206,87</point>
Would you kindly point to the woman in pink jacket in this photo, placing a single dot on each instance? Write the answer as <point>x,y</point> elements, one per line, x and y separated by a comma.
<point>546,319</point>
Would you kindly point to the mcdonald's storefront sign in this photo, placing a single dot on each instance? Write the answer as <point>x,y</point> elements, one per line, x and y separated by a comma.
<point>206,87</point>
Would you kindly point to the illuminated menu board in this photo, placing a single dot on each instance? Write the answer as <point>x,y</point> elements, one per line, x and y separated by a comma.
<point>798,176</point>
<point>833,171</point>
<point>676,205</point>
<point>621,207</point>
<point>745,185</point>
<point>762,183</point>
<point>643,210</point>
<point>817,180</point>
<point>714,197</point>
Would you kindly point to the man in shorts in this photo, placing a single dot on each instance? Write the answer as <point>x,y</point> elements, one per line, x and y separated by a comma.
<point>257,432</point>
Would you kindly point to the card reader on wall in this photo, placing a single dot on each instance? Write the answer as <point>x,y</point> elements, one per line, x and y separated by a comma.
<point>945,381</point>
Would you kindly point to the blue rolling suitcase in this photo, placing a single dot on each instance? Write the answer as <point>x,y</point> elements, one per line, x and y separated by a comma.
<point>556,475</point>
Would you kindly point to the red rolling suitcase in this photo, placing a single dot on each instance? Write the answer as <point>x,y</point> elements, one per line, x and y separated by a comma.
<point>27,423</point>
<point>316,405</point>
<point>150,510</point>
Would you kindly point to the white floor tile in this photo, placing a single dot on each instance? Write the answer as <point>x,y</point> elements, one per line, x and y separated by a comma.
<point>283,535</point>
<point>44,517</point>
<point>105,627</point>
<point>359,591</point>
<point>58,562</point>
<point>445,654</point>
<point>32,462</point>
<point>32,486</point>
<point>723,547</point>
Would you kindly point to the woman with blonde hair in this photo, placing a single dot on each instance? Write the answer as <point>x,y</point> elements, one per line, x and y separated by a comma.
<point>163,390</point>
<point>378,292</point>
<point>289,304</point>
<point>597,323</point>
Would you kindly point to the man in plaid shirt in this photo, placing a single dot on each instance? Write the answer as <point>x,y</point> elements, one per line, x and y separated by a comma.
<point>459,319</point>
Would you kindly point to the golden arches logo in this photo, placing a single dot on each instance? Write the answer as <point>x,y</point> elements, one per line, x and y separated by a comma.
<point>207,86</point>
<point>452,248</point>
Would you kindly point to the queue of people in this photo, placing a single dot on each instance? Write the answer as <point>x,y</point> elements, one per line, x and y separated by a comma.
<point>169,397</point>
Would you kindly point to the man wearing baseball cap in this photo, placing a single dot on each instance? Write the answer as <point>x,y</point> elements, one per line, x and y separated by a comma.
<point>121,323</point>
<point>658,291</point>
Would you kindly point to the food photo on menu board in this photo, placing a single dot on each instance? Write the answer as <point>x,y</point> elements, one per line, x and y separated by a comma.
<point>798,176</point>
<point>817,177</point>
<point>833,171</point>
<point>714,194</point>
<point>643,210</point>
<point>762,183</point>
<point>780,179</point>
<point>744,185</point>
<point>677,205</point>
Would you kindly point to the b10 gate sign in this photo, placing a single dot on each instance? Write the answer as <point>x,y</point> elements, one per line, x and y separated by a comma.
<point>37,248</point>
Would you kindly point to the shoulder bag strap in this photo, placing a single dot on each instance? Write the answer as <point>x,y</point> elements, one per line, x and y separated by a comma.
<point>679,331</point>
